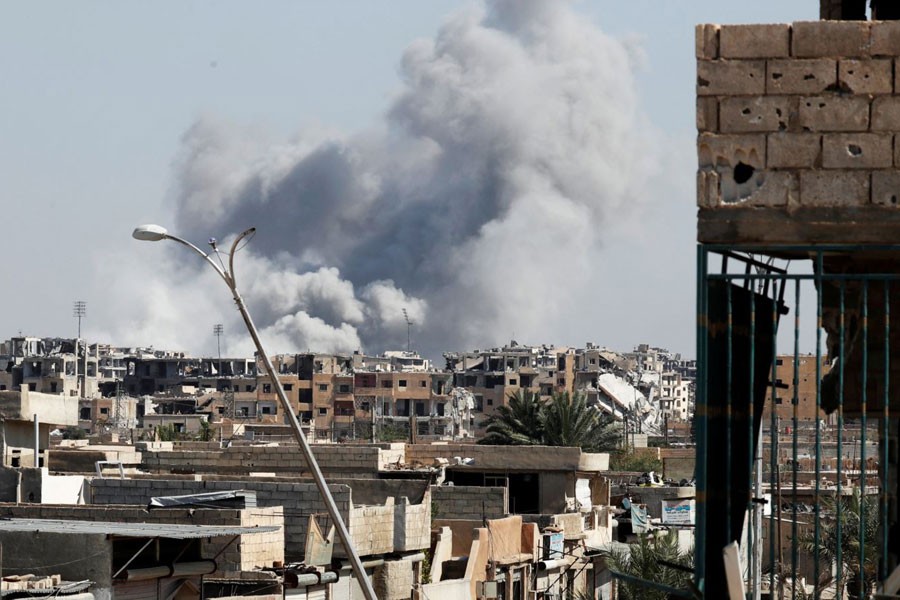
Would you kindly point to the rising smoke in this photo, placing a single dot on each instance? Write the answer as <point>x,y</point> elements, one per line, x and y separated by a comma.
<point>479,205</point>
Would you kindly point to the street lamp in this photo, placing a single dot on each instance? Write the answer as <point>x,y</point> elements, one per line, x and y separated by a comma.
<point>155,233</point>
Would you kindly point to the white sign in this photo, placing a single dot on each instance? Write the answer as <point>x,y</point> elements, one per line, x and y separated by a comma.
<point>678,511</point>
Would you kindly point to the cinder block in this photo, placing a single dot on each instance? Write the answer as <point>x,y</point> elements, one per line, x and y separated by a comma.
<point>717,150</point>
<point>834,113</point>
<point>707,113</point>
<point>886,188</point>
<point>869,76</point>
<point>731,77</point>
<point>754,114</point>
<point>793,150</point>
<point>885,38</point>
<point>834,188</point>
<point>754,41</point>
<point>886,113</point>
<point>844,39</point>
<point>800,76</point>
<point>857,150</point>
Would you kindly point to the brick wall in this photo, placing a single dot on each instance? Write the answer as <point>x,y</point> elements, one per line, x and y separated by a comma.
<point>469,502</point>
<point>797,118</point>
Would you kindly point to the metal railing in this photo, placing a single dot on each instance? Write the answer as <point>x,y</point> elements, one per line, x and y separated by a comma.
<point>800,472</point>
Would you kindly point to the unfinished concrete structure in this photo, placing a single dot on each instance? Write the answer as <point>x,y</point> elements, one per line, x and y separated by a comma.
<point>799,160</point>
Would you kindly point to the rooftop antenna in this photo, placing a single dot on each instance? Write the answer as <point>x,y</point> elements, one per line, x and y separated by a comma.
<point>408,325</point>
<point>78,310</point>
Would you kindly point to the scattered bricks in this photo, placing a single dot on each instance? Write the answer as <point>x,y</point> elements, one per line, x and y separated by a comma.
<point>857,151</point>
<point>707,113</point>
<point>885,38</point>
<point>800,76</point>
<point>754,41</point>
<point>873,76</point>
<point>718,150</point>
<point>707,41</point>
<point>815,39</point>
<point>759,188</point>
<point>834,188</point>
<point>886,113</point>
<point>886,188</point>
<point>756,113</point>
<point>726,77</point>
<point>793,150</point>
<point>834,113</point>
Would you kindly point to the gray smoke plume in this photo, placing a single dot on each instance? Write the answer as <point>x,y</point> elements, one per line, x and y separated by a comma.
<point>479,206</point>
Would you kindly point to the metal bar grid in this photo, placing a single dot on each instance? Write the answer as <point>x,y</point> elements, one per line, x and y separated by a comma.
<point>831,577</point>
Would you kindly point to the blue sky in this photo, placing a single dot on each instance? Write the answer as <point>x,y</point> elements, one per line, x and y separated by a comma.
<point>97,96</point>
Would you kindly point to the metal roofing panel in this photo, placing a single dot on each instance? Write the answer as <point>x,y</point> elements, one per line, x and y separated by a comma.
<point>143,530</point>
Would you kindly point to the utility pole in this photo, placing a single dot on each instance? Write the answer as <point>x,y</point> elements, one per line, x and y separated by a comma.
<point>217,331</point>
<point>408,324</point>
<point>79,308</point>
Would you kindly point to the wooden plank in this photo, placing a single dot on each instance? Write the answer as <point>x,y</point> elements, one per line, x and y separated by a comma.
<point>869,225</point>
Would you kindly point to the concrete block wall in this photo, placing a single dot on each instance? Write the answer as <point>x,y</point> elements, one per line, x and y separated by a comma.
<point>469,502</point>
<point>798,115</point>
<point>298,500</point>
<point>487,457</point>
<point>394,580</point>
<point>372,529</point>
<point>412,525</point>
<point>248,553</point>
<point>360,461</point>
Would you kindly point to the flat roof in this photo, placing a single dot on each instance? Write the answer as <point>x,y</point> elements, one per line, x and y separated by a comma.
<point>140,530</point>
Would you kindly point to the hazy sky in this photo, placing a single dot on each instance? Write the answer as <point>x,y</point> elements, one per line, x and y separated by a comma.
<point>399,120</point>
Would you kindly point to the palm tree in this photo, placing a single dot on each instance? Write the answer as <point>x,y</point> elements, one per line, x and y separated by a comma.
<point>648,560</point>
<point>858,525</point>
<point>569,421</point>
<point>563,421</point>
<point>517,423</point>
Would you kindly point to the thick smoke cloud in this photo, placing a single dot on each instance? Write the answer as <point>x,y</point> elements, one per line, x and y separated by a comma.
<point>479,205</point>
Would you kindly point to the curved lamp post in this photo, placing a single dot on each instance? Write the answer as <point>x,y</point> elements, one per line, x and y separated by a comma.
<point>155,233</point>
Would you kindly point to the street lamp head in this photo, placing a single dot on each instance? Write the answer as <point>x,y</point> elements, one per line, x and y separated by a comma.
<point>149,233</point>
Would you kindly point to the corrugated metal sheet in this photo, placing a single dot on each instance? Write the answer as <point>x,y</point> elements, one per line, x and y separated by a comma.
<point>139,530</point>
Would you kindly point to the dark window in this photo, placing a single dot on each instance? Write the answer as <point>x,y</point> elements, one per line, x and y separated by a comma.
<point>490,402</point>
<point>423,383</point>
<point>267,388</point>
<point>288,387</point>
<point>402,383</point>
<point>249,388</point>
<point>344,388</point>
<point>513,382</point>
<point>84,413</point>
<point>323,411</point>
<point>323,387</point>
<point>386,384</point>
<point>267,410</point>
<point>104,411</point>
